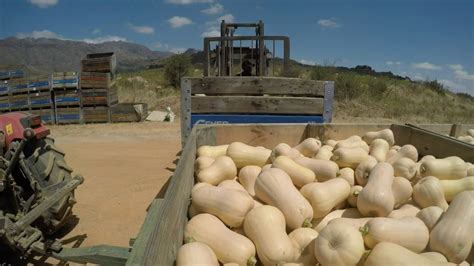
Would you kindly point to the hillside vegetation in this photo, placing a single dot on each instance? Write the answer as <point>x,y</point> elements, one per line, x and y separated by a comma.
<point>358,97</point>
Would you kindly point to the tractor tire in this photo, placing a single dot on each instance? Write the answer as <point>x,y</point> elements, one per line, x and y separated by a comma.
<point>47,164</point>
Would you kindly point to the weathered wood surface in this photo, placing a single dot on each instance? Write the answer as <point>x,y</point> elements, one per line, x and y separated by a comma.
<point>257,85</point>
<point>256,105</point>
<point>95,114</point>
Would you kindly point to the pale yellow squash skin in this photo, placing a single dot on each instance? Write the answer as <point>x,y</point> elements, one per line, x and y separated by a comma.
<point>376,198</point>
<point>409,232</point>
<point>406,151</point>
<point>339,244</point>
<point>430,215</point>
<point>450,168</point>
<point>407,210</point>
<point>299,174</point>
<point>405,167</point>
<point>266,167</point>
<point>352,145</point>
<point>324,153</point>
<point>390,153</point>
<point>352,199</point>
<point>390,254</point>
<point>284,149</point>
<point>402,190</point>
<point>363,170</point>
<point>265,226</point>
<point>470,132</point>
<point>379,149</point>
<point>385,134</point>
<point>305,238</point>
<point>324,170</point>
<point>239,230</point>
<point>247,176</point>
<point>202,163</point>
<point>196,253</point>
<point>349,157</point>
<point>274,187</point>
<point>434,256</point>
<point>244,155</point>
<point>308,147</point>
<point>331,142</point>
<point>356,223</point>
<point>470,169</point>
<point>212,151</point>
<point>229,205</point>
<point>453,187</point>
<point>228,246</point>
<point>326,195</point>
<point>232,184</point>
<point>429,192</point>
<point>453,234</point>
<point>320,223</point>
<point>347,174</point>
<point>221,169</point>
<point>327,147</point>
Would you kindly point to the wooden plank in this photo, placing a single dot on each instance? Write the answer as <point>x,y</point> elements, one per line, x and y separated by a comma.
<point>256,85</point>
<point>258,105</point>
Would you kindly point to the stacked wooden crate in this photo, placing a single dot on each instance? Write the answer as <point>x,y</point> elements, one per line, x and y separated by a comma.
<point>98,90</point>
<point>67,97</point>
<point>6,75</point>
<point>40,98</point>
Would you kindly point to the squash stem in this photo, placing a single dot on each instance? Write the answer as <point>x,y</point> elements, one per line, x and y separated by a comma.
<point>364,230</point>
<point>189,239</point>
<point>251,261</point>
<point>307,223</point>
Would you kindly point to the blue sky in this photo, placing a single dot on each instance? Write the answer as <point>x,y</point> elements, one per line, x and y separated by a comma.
<point>423,39</point>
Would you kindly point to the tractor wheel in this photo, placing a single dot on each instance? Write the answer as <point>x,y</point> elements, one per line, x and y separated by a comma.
<point>47,164</point>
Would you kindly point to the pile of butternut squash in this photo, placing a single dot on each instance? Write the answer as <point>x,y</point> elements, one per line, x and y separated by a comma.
<point>356,201</point>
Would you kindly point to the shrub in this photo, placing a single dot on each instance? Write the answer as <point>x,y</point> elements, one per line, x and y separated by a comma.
<point>177,67</point>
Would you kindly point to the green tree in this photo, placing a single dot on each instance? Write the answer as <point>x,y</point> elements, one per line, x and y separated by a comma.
<point>177,67</point>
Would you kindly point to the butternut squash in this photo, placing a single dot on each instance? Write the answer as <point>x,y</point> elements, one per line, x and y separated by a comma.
<point>244,155</point>
<point>331,142</point>
<point>274,187</point>
<point>470,132</point>
<point>385,134</point>
<point>324,170</point>
<point>232,184</point>
<point>212,151</point>
<point>453,187</point>
<point>196,253</point>
<point>299,174</point>
<point>347,174</point>
<point>324,153</point>
<point>352,145</point>
<point>308,147</point>
<point>451,167</point>
<point>266,167</point>
<point>427,158</point>
<point>402,190</point>
<point>405,167</point>
<point>429,192</point>
<point>305,238</point>
<point>390,154</point>
<point>221,169</point>
<point>326,195</point>
<point>453,234</point>
<point>352,199</point>
<point>202,162</point>
<point>363,170</point>
<point>406,210</point>
<point>265,226</point>
<point>229,205</point>
<point>376,198</point>
<point>379,149</point>
<point>349,157</point>
<point>434,256</point>
<point>339,244</point>
<point>320,223</point>
<point>356,223</point>
<point>430,215</point>
<point>327,147</point>
<point>284,149</point>
<point>228,246</point>
<point>470,169</point>
<point>395,147</point>
<point>390,254</point>
<point>408,232</point>
<point>247,176</point>
<point>406,151</point>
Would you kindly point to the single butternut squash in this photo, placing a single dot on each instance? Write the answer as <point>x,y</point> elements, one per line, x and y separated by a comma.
<point>347,174</point>
<point>407,210</point>
<point>305,238</point>
<point>379,149</point>
<point>324,170</point>
<point>430,215</point>
<point>212,151</point>
<point>402,190</point>
<point>247,176</point>
<point>352,199</point>
<point>349,157</point>
<point>196,253</point>
<point>453,187</point>
<point>232,184</point>
<point>308,147</point>
<point>429,192</point>
<point>221,169</point>
<point>326,195</point>
<point>284,149</point>
<point>202,162</point>
<point>450,168</point>
<point>405,167</point>
<point>363,170</point>
<point>434,256</point>
<point>299,174</point>
<point>324,153</point>
<point>385,134</point>
<point>320,223</point>
<point>406,151</point>
<point>244,155</point>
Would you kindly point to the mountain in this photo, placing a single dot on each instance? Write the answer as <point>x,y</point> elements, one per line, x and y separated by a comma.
<point>44,55</point>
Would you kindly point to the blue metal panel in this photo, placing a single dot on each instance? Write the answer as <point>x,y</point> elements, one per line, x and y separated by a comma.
<point>65,81</point>
<point>38,84</point>
<point>4,105</point>
<point>66,117</point>
<point>19,103</point>
<point>67,100</point>
<point>249,119</point>
<point>40,101</point>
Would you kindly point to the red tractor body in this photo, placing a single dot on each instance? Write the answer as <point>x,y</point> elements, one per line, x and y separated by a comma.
<point>13,124</point>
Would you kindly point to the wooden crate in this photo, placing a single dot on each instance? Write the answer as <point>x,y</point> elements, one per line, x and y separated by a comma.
<point>41,83</point>
<point>65,80</point>
<point>5,103</point>
<point>66,97</point>
<point>161,234</point>
<point>98,114</point>
<point>19,101</point>
<point>99,62</point>
<point>96,80</point>
<point>4,88</point>
<point>128,112</point>
<point>40,99</point>
<point>18,85</point>
<point>68,115</point>
<point>99,96</point>
<point>47,114</point>
<point>6,72</point>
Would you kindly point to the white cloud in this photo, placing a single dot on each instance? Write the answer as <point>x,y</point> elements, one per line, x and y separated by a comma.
<point>213,9</point>
<point>227,17</point>
<point>43,3</point>
<point>456,87</point>
<point>187,2</point>
<point>177,22</point>
<point>38,34</point>
<point>158,45</point>
<point>460,73</point>
<point>307,62</point>
<point>391,63</point>
<point>211,33</point>
<point>425,66</point>
<point>142,29</point>
<point>329,23</point>
<point>177,50</point>
<point>102,39</point>
<point>418,76</point>
<point>213,28</point>
<point>96,31</point>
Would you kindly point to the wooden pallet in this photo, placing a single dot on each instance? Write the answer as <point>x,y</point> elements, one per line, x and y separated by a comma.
<point>63,98</point>
<point>65,80</point>
<point>5,103</point>
<point>99,62</point>
<point>19,85</point>
<point>39,99</point>
<point>40,83</point>
<point>68,115</point>
<point>96,80</point>
<point>98,114</point>
<point>19,101</point>
<point>99,96</point>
